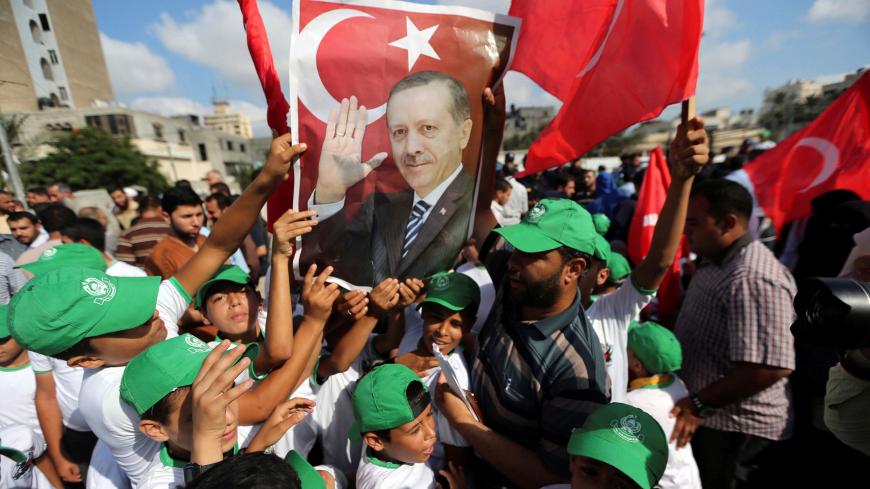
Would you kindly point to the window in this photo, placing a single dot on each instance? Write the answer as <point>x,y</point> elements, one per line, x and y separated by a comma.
<point>43,19</point>
<point>52,55</point>
<point>182,137</point>
<point>229,145</point>
<point>35,33</point>
<point>46,69</point>
<point>115,124</point>
<point>242,147</point>
<point>158,130</point>
<point>63,94</point>
<point>203,156</point>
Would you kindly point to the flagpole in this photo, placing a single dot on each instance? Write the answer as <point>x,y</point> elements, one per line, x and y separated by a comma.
<point>688,111</point>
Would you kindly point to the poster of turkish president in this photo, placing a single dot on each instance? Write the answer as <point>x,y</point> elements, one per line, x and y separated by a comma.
<point>389,98</point>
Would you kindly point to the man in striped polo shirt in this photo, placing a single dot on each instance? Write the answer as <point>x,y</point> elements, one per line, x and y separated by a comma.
<point>539,369</point>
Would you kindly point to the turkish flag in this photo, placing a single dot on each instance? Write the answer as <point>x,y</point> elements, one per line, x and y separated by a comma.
<point>650,201</point>
<point>831,153</point>
<point>362,49</point>
<point>621,63</point>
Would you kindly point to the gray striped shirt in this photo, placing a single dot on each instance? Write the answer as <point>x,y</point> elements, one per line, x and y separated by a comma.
<point>11,279</point>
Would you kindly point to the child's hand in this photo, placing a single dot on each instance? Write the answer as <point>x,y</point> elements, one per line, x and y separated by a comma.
<point>285,416</point>
<point>290,226</point>
<point>455,476</point>
<point>212,392</point>
<point>317,295</point>
<point>409,291</point>
<point>353,305</point>
<point>383,297</point>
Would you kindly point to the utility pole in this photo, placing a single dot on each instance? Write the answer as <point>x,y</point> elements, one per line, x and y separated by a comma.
<point>11,167</point>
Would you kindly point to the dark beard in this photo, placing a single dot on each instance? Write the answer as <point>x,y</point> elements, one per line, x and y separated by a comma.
<point>541,294</point>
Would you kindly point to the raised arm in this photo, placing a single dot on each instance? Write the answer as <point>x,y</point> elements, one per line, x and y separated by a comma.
<point>236,223</point>
<point>689,153</point>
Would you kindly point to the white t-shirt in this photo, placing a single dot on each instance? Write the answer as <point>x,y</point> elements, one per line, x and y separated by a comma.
<point>121,269</point>
<point>610,316</point>
<point>376,474</point>
<point>68,384</point>
<point>22,474</point>
<point>104,471</point>
<point>681,471</point>
<point>18,386</point>
<point>110,418</point>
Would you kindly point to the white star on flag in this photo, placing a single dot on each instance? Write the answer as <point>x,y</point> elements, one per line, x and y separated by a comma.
<point>416,42</point>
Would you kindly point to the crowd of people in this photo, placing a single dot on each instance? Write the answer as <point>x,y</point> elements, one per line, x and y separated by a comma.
<point>162,341</point>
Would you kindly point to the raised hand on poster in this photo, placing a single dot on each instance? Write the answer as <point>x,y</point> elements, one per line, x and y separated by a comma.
<point>341,165</point>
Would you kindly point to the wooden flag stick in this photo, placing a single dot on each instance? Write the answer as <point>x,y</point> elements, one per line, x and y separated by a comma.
<point>688,111</point>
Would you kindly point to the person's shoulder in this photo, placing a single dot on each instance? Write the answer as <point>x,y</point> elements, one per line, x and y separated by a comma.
<point>159,476</point>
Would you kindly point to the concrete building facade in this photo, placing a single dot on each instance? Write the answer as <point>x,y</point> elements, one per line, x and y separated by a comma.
<point>229,122</point>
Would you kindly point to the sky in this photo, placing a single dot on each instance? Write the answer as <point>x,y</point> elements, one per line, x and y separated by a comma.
<point>173,57</point>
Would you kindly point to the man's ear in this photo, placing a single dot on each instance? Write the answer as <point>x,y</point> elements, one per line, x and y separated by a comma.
<point>85,361</point>
<point>373,441</point>
<point>573,270</point>
<point>165,216</point>
<point>205,320</point>
<point>154,430</point>
<point>729,222</point>
<point>602,277</point>
<point>465,129</point>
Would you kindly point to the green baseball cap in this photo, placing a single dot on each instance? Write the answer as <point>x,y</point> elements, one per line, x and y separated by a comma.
<point>308,475</point>
<point>656,347</point>
<point>619,267</point>
<point>601,223</point>
<point>626,438</point>
<point>227,273</point>
<point>455,291</point>
<point>67,255</point>
<point>59,308</point>
<point>164,367</point>
<point>4,321</point>
<point>379,400</point>
<point>552,223</point>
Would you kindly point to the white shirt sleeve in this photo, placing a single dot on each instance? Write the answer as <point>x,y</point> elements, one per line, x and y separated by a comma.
<point>325,211</point>
<point>172,302</point>
<point>39,362</point>
<point>623,305</point>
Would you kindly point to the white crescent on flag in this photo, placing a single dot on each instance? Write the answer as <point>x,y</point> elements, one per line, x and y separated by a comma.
<point>312,91</point>
<point>830,158</point>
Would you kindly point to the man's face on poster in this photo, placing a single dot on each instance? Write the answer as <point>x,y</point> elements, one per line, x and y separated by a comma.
<point>426,138</point>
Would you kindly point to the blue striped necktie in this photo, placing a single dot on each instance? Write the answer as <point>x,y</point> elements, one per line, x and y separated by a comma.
<point>414,224</point>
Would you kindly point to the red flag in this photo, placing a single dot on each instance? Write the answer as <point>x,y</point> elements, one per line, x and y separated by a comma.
<point>831,153</point>
<point>261,55</point>
<point>637,59</point>
<point>650,200</point>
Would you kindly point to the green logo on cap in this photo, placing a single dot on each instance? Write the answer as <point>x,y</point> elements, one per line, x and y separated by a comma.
<point>441,283</point>
<point>102,291</point>
<point>628,428</point>
<point>536,213</point>
<point>49,253</point>
<point>196,345</point>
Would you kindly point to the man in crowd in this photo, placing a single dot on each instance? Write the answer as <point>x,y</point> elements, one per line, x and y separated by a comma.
<point>586,192</point>
<point>37,196</point>
<point>61,193</point>
<point>124,207</point>
<point>413,232</point>
<point>246,258</point>
<point>518,203</point>
<point>7,205</point>
<point>213,176</point>
<point>738,351</point>
<point>182,208</point>
<point>26,229</point>
<point>150,227</point>
<point>54,218</point>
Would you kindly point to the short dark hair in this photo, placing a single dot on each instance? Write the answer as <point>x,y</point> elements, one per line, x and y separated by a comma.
<point>178,196</point>
<point>418,400</point>
<point>38,191</point>
<point>114,188</point>
<point>220,188</point>
<point>460,109</point>
<point>723,197</point>
<point>63,187</point>
<point>55,217</point>
<point>254,470</point>
<point>149,201</point>
<point>87,229</point>
<point>17,216</point>
<point>502,184</point>
<point>183,184</point>
<point>83,348</point>
<point>222,200</point>
<point>563,178</point>
<point>569,254</point>
<point>161,409</point>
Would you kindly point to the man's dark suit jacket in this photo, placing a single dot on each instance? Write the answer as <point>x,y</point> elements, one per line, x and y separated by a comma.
<point>369,249</point>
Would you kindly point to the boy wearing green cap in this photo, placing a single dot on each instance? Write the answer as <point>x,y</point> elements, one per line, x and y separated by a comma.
<point>618,447</point>
<point>101,322</point>
<point>654,354</point>
<point>394,414</point>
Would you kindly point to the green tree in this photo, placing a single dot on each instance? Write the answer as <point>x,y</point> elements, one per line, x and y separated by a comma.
<point>91,158</point>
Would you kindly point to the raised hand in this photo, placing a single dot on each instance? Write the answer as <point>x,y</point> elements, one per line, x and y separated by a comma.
<point>285,416</point>
<point>689,151</point>
<point>353,305</point>
<point>280,158</point>
<point>383,297</point>
<point>288,227</point>
<point>341,165</point>
<point>317,295</point>
<point>409,291</point>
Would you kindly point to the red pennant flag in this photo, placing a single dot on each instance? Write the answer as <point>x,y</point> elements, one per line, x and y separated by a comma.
<point>261,55</point>
<point>650,201</point>
<point>831,153</point>
<point>639,58</point>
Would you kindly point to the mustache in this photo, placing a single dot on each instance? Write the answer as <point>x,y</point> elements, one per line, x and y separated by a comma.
<point>416,160</point>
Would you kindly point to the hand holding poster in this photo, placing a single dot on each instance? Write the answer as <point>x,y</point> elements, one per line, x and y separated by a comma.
<point>389,98</point>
